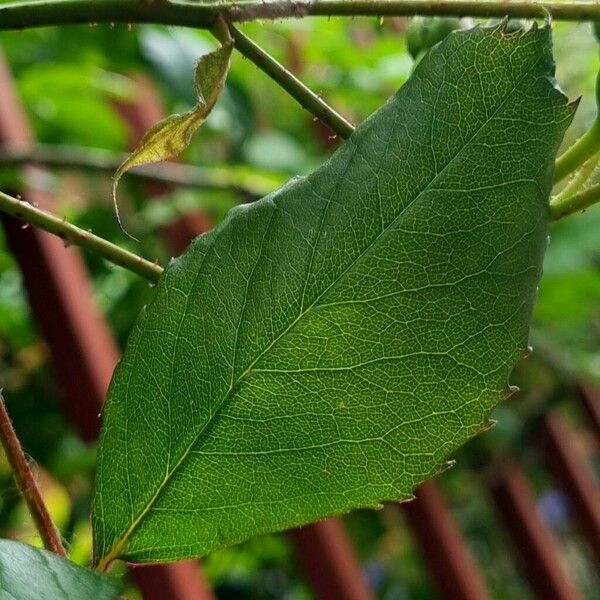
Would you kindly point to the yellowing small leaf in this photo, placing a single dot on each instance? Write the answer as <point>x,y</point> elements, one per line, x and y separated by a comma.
<point>172,135</point>
<point>167,138</point>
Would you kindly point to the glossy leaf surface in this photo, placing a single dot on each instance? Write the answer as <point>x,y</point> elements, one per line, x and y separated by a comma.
<point>331,345</point>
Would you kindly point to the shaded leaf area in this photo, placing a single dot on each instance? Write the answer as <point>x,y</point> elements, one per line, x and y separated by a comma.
<point>329,346</point>
<point>28,573</point>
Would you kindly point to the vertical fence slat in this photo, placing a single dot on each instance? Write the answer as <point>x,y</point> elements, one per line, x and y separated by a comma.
<point>536,547</point>
<point>180,581</point>
<point>81,345</point>
<point>52,278</point>
<point>590,398</point>
<point>574,477</point>
<point>326,557</point>
<point>444,550</point>
<point>60,297</point>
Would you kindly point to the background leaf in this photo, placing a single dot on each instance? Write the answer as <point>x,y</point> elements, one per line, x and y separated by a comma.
<point>329,346</point>
<point>28,573</point>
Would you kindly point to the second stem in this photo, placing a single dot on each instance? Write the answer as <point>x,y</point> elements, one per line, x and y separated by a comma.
<point>27,484</point>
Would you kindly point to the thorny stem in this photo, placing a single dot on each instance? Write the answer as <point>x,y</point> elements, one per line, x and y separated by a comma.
<point>561,207</point>
<point>27,484</point>
<point>78,237</point>
<point>224,31</point>
<point>103,161</point>
<point>71,234</point>
<point>291,84</point>
<point>204,14</point>
<point>218,18</point>
<point>213,15</point>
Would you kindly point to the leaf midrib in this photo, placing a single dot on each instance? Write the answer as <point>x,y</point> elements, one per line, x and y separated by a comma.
<point>120,543</point>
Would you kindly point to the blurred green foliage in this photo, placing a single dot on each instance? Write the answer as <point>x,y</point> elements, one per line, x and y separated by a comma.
<point>70,81</point>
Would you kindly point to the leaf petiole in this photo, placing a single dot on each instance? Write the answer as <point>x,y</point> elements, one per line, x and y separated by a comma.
<point>562,207</point>
<point>580,152</point>
<point>580,179</point>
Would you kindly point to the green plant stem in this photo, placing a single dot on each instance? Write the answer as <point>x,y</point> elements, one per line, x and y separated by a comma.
<point>152,271</point>
<point>27,484</point>
<point>78,237</point>
<point>71,234</point>
<point>203,14</point>
<point>103,161</point>
<point>562,207</point>
<point>581,151</point>
<point>291,84</point>
<point>580,178</point>
<point>214,15</point>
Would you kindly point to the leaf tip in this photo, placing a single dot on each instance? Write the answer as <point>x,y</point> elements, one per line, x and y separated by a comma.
<point>573,105</point>
<point>491,423</point>
<point>508,394</point>
<point>449,464</point>
<point>115,184</point>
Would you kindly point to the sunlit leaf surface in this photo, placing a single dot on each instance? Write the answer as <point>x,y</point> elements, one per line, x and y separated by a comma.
<point>329,346</point>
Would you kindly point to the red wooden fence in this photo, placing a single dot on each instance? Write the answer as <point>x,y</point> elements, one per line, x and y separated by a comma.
<point>538,552</point>
<point>571,472</point>
<point>444,550</point>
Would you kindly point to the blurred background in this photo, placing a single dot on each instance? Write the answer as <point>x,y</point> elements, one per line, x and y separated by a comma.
<point>79,86</point>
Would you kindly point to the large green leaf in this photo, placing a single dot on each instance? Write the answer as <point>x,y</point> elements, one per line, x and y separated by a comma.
<point>329,346</point>
<point>28,573</point>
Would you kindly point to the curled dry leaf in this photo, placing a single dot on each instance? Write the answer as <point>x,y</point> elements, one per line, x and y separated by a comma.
<point>171,136</point>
